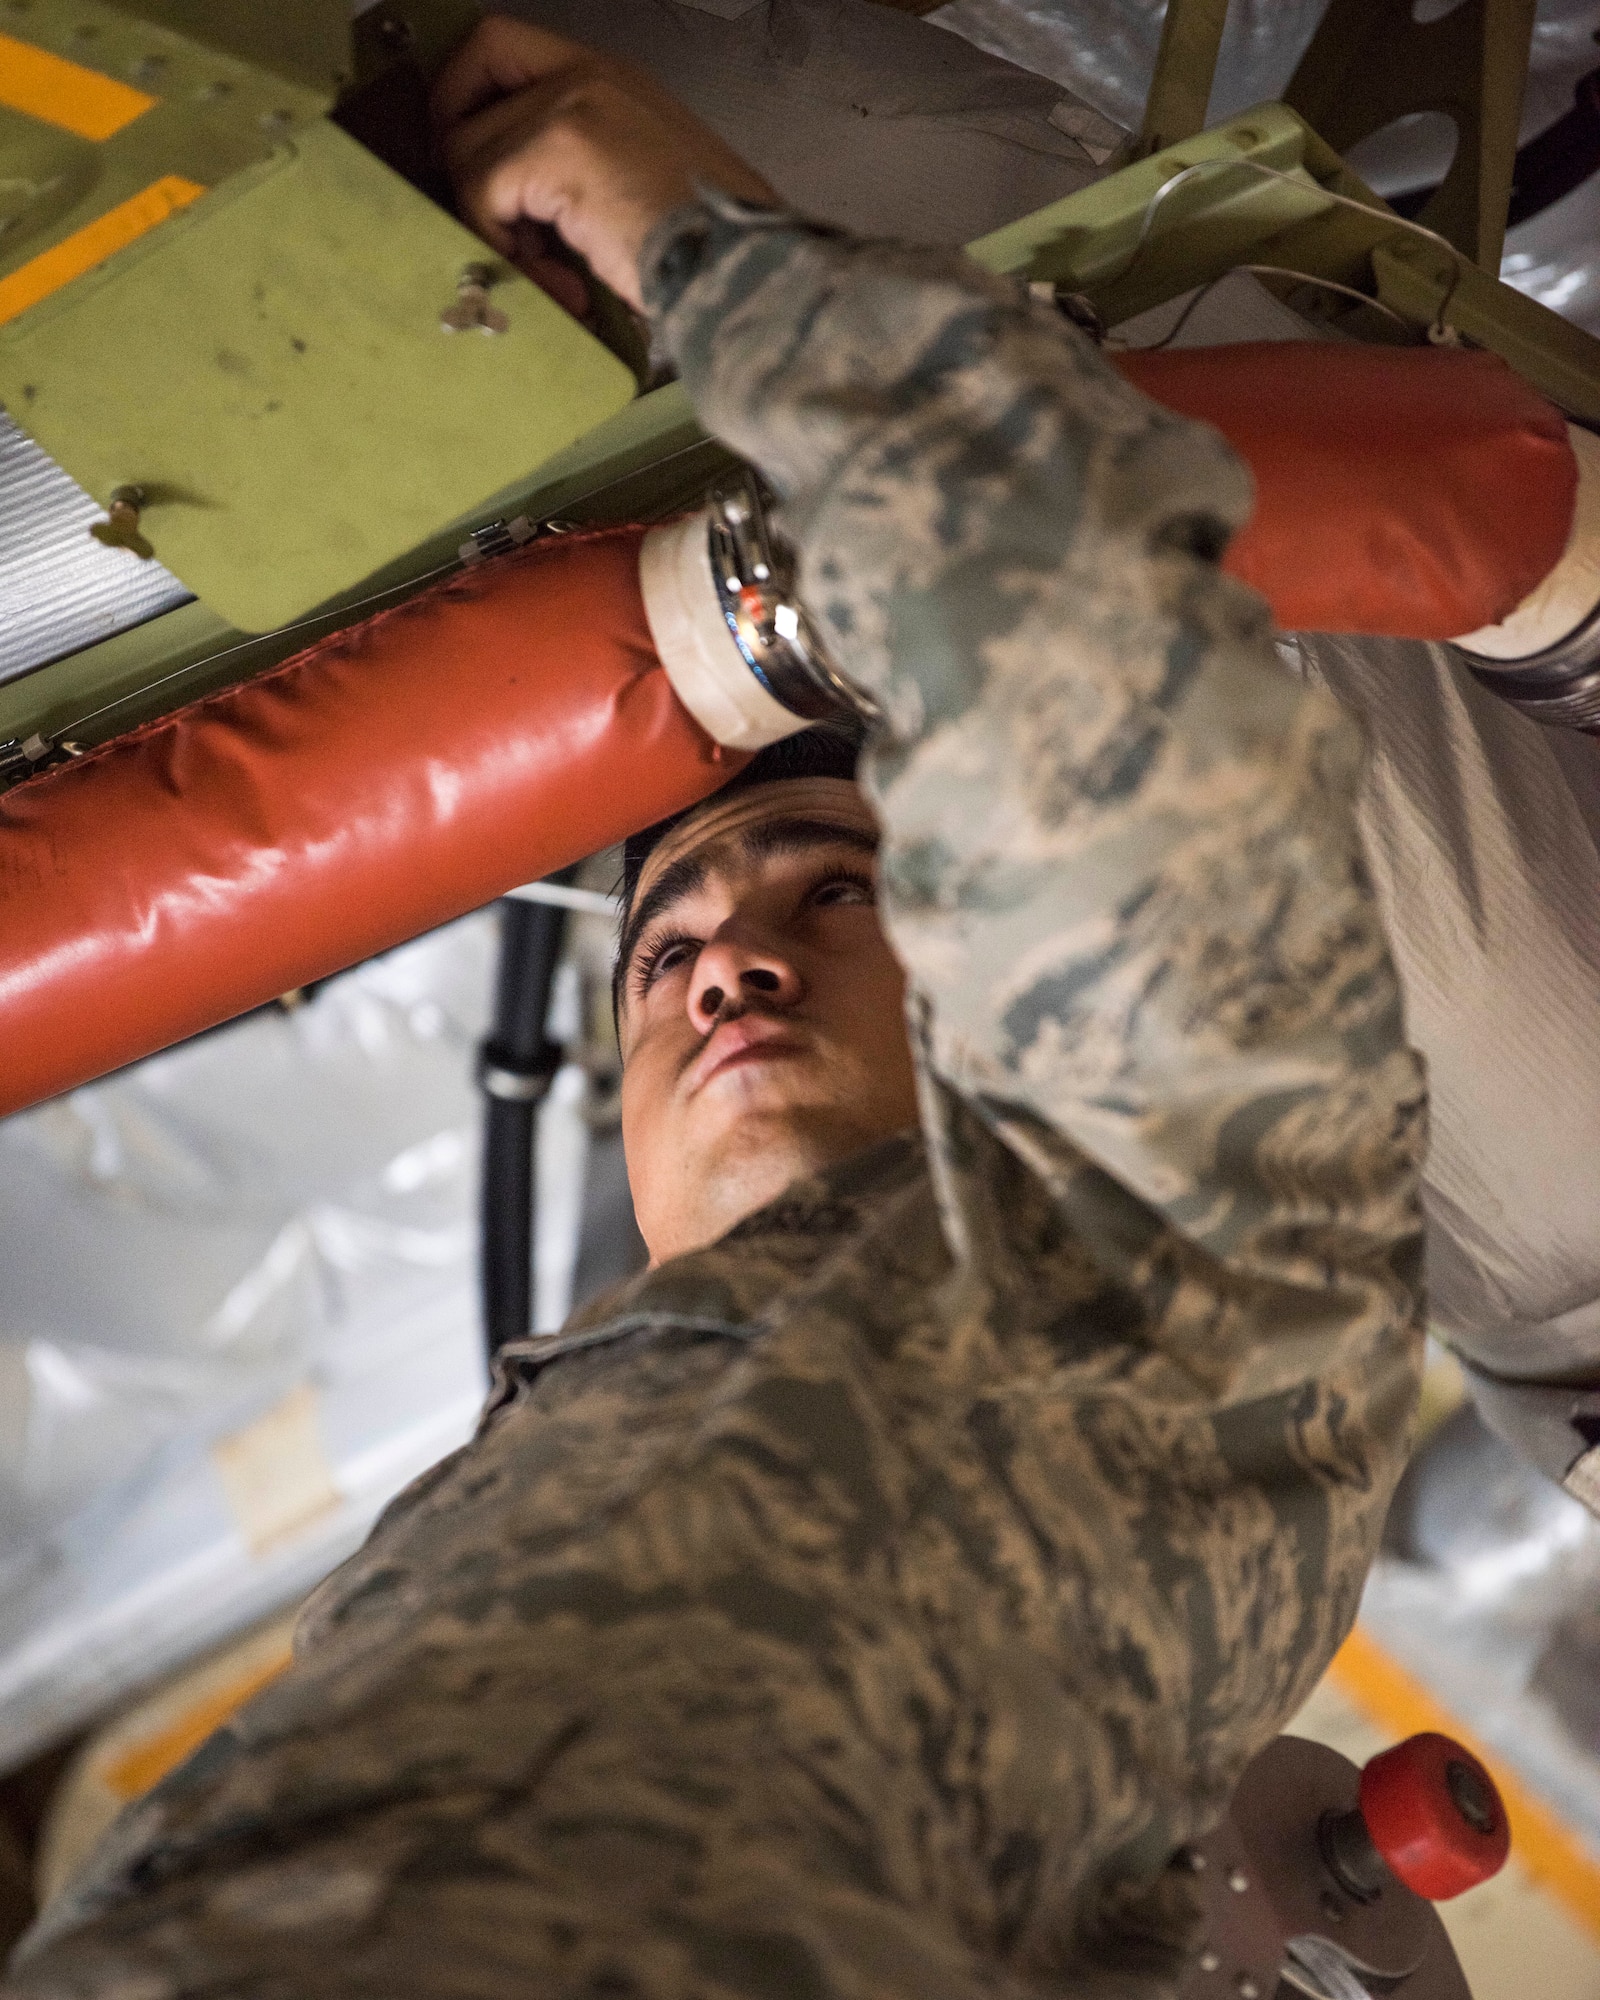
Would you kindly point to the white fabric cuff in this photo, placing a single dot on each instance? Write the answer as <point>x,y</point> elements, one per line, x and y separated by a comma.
<point>709,674</point>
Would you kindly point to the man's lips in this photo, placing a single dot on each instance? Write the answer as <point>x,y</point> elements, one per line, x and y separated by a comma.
<point>746,1038</point>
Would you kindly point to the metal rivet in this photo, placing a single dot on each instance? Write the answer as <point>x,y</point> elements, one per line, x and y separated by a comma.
<point>1246,1988</point>
<point>472,312</point>
<point>1209,1961</point>
<point>120,530</point>
<point>1238,1881</point>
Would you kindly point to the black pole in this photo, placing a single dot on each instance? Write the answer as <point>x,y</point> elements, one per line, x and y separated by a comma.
<point>515,1068</point>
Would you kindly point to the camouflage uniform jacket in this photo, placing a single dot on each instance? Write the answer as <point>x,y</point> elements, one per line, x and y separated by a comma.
<point>871,1603</point>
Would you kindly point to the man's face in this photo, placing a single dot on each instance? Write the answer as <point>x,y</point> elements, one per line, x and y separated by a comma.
<point>762,1011</point>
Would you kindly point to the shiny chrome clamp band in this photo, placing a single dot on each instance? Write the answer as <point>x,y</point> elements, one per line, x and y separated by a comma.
<point>754,572</point>
<point>1560,686</point>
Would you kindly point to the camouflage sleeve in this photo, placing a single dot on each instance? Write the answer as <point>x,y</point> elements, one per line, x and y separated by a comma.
<point>1120,854</point>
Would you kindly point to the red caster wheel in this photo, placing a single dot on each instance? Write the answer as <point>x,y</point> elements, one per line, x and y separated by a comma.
<point>1429,1814</point>
<point>1434,1815</point>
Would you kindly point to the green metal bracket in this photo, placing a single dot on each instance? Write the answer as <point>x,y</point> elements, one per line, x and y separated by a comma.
<point>1370,63</point>
<point>1186,63</point>
<point>1145,235</point>
<point>1373,61</point>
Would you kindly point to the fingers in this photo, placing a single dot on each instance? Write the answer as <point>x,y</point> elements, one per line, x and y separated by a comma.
<point>532,128</point>
<point>499,57</point>
<point>495,159</point>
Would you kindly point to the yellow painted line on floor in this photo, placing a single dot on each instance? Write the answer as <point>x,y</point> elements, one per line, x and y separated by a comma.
<point>65,93</point>
<point>137,1769</point>
<point>94,243</point>
<point>1541,1841</point>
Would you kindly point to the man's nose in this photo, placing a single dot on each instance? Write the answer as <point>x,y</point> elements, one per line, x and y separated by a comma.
<point>739,973</point>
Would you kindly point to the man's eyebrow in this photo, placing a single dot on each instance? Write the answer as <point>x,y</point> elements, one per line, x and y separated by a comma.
<point>682,878</point>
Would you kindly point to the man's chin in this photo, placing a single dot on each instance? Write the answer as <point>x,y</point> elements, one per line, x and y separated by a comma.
<point>754,1156</point>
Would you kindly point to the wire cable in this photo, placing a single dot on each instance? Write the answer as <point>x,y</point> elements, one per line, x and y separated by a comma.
<point>1260,271</point>
<point>1402,226</point>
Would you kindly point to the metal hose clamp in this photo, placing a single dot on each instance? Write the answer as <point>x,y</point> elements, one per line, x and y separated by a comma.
<point>1559,686</point>
<point>754,572</point>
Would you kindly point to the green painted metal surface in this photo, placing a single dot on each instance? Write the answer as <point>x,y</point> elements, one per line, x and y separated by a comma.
<point>368,474</point>
<point>270,368</point>
<point>304,41</point>
<point>214,114</point>
<point>648,461</point>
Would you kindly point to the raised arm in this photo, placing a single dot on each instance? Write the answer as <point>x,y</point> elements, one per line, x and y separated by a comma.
<point>1120,862</point>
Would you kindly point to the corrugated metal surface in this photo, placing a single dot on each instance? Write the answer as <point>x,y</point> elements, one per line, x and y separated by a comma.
<point>60,589</point>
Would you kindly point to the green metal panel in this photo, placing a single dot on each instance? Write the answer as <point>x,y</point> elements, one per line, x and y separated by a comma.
<point>213,116</point>
<point>270,368</point>
<point>307,41</point>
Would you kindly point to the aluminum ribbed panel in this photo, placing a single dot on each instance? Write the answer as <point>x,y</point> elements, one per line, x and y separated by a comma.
<point>60,589</point>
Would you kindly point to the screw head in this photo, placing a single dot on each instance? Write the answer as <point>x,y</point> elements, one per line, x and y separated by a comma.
<point>1246,1988</point>
<point>1209,1961</point>
<point>1238,1881</point>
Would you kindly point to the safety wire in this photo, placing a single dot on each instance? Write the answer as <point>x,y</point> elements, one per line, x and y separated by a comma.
<point>70,730</point>
<point>1260,271</point>
<point>1438,332</point>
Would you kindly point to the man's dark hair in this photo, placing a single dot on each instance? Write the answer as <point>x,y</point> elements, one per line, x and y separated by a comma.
<point>827,750</point>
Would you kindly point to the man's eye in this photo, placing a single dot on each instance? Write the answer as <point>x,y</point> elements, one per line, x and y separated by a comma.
<point>844,890</point>
<point>661,954</point>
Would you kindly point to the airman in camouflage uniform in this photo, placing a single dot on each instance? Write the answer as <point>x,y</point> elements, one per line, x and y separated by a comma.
<point>873,1602</point>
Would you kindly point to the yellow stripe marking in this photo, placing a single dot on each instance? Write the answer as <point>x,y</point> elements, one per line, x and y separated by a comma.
<point>1547,1848</point>
<point>93,244</point>
<point>65,93</point>
<point>136,1770</point>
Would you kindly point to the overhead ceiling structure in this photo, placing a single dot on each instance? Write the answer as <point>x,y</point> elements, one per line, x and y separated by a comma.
<point>226,271</point>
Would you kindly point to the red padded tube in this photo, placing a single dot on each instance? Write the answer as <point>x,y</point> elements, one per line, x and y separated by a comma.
<point>510,721</point>
<point>493,729</point>
<point>1408,491</point>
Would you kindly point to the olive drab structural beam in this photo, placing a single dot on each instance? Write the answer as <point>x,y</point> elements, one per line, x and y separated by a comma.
<point>1186,63</point>
<point>1369,63</point>
<point>295,491</point>
<point>1372,61</point>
